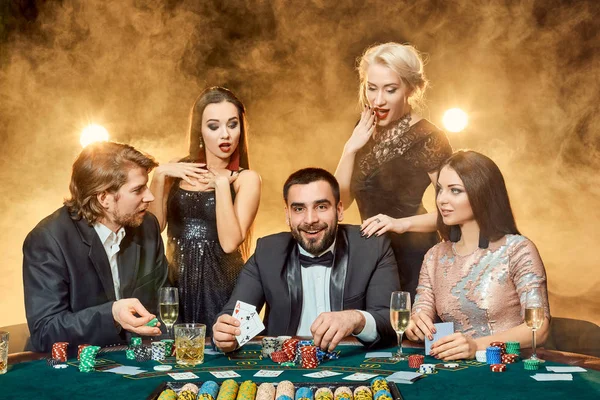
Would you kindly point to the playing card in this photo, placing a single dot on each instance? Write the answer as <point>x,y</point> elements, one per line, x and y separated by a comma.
<point>179,376</point>
<point>322,374</point>
<point>268,374</point>
<point>251,325</point>
<point>442,329</point>
<point>242,310</point>
<point>359,377</point>
<point>225,374</point>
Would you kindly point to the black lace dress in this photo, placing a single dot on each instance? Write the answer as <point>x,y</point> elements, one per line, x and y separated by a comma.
<point>390,176</point>
<point>203,272</point>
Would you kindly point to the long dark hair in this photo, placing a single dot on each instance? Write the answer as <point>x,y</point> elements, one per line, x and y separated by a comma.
<point>487,194</point>
<point>197,151</point>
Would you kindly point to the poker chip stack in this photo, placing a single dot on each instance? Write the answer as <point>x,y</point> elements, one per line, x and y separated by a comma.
<point>80,349</point>
<point>189,391</point>
<point>513,348</point>
<point>363,393</point>
<point>498,367</point>
<point>342,393</point>
<point>168,394</point>
<point>480,355</point>
<point>308,357</point>
<point>304,393</point>
<point>59,351</point>
<point>531,365</point>
<point>380,387</point>
<point>247,391</point>
<point>229,389</point>
<point>289,347</point>
<point>269,345</point>
<point>208,391</point>
<point>427,368</point>
<point>509,358</point>
<point>285,391</point>
<point>493,355</point>
<point>169,347</point>
<point>279,356</point>
<point>502,346</point>
<point>158,351</point>
<point>134,343</point>
<point>87,359</point>
<point>142,353</point>
<point>324,393</point>
<point>266,391</point>
<point>299,346</point>
<point>415,360</point>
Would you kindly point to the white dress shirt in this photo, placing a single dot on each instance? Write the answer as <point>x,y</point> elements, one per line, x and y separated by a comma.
<point>111,242</point>
<point>315,299</point>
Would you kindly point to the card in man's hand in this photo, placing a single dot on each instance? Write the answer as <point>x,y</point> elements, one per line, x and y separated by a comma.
<point>250,323</point>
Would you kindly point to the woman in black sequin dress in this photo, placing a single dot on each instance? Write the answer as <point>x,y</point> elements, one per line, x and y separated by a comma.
<point>209,201</point>
<point>392,157</point>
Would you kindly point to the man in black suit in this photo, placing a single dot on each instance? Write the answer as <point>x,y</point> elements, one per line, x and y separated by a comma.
<point>92,267</point>
<point>321,279</point>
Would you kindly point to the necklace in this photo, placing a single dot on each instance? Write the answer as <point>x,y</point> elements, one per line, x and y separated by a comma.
<point>455,251</point>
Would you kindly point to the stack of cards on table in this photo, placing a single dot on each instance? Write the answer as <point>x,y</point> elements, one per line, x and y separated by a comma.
<point>250,323</point>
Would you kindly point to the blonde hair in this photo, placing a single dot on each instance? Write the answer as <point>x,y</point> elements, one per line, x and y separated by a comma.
<point>404,60</point>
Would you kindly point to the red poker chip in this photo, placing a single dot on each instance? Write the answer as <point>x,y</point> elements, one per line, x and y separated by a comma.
<point>279,356</point>
<point>509,358</point>
<point>498,367</point>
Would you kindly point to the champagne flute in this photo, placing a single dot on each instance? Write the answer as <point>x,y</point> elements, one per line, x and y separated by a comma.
<point>399,317</point>
<point>534,316</point>
<point>168,300</point>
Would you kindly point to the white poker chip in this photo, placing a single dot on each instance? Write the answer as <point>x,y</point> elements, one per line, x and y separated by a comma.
<point>60,366</point>
<point>451,365</point>
<point>163,368</point>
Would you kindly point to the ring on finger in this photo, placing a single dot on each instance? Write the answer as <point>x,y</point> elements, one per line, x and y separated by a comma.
<point>377,220</point>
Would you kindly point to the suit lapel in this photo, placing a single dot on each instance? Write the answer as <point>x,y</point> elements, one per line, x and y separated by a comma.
<point>98,257</point>
<point>338,273</point>
<point>293,277</point>
<point>128,260</point>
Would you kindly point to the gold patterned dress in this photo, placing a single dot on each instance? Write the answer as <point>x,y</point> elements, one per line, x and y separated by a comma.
<point>482,293</point>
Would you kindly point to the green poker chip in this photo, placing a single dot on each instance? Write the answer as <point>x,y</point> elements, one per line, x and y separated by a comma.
<point>152,322</point>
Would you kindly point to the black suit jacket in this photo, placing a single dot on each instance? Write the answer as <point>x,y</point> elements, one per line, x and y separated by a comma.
<point>363,277</point>
<point>68,284</point>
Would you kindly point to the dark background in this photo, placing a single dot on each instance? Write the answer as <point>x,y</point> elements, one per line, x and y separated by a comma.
<point>526,72</point>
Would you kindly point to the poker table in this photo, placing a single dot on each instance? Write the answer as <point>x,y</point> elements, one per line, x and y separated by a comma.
<point>30,376</point>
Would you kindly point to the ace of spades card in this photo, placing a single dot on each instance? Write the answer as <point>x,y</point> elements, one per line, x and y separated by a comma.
<point>250,323</point>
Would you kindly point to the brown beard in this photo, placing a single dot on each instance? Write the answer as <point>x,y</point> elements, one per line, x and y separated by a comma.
<point>316,247</point>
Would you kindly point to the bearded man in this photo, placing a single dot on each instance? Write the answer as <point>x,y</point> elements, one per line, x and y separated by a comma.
<point>92,269</point>
<point>321,279</point>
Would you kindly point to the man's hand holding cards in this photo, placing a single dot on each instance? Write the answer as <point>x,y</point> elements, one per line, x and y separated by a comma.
<point>250,323</point>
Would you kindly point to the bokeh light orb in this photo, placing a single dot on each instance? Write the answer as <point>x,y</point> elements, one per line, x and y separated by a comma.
<point>455,120</point>
<point>93,133</point>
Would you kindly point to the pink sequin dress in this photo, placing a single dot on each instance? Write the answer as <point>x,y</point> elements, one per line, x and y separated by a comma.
<point>482,293</point>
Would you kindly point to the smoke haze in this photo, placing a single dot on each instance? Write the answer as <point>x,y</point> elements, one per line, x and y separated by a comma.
<point>525,72</point>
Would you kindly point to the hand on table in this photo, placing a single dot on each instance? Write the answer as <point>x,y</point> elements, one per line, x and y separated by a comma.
<point>330,328</point>
<point>224,332</point>
<point>380,224</point>
<point>420,325</point>
<point>457,346</point>
<point>124,313</point>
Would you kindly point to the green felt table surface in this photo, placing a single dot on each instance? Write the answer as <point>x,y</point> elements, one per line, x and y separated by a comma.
<point>37,380</point>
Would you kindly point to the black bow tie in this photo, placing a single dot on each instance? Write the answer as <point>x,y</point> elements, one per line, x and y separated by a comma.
<point>325,260</point>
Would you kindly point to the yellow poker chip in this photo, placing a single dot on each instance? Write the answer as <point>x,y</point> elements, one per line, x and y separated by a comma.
<point>163,368</point>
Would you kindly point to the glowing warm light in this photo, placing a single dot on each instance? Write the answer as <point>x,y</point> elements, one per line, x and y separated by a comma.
<point>455,120</point>
<point>93,133</point>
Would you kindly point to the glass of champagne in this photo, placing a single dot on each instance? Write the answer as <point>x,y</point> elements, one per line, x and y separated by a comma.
<point>534,315</point>
<point>168,300</point>
<point>399,316</point>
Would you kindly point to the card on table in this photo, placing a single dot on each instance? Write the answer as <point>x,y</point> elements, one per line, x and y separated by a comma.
<point>566,369</point>
<point>125,370</point>
<point>225,374</point>
<point>250,323</point>
<point>404,377</point>
<point>379,354</point>
<point>359,376</point>
<point>552,377</point>
<point>442,329</point>
<point>268,373</point>
<point>179,376</point>
<point>322,374</point>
